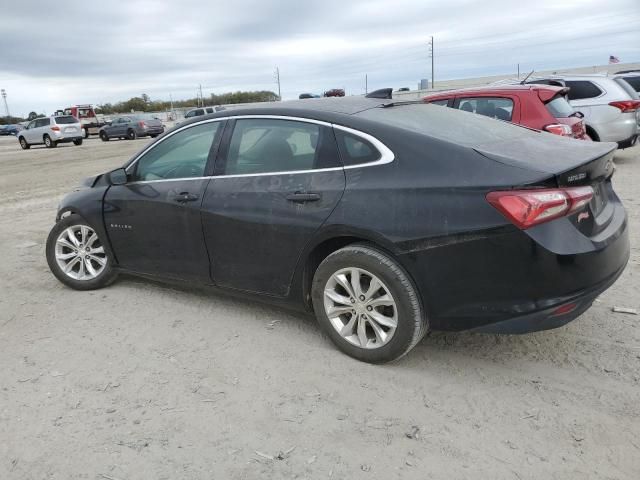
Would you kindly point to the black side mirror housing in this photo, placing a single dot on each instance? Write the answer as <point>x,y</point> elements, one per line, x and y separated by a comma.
<point>117,177</point>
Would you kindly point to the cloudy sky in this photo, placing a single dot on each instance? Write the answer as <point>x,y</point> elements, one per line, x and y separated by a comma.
<point>96,52</point>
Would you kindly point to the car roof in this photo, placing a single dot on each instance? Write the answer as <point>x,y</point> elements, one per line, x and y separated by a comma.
<point>497,89</point>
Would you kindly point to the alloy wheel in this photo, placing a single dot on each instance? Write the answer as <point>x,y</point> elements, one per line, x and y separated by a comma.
<point>360,307</point>
<point>79,253</point>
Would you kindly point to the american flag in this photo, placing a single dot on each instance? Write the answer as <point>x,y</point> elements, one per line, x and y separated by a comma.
<point>613,59</point>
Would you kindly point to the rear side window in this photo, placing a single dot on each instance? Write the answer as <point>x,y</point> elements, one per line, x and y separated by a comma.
<point>355,150</point>
<point>267,146</point>
<point>580,89</point>
<point>500,108</point>
<point>43,122</point>
<point>443,102</point>
<point>559,107</point>
<point>66,120</point>
<point>209,110</point>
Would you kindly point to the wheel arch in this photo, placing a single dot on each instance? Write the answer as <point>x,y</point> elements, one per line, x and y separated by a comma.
<point>592,132</point>
<point>325,245</point>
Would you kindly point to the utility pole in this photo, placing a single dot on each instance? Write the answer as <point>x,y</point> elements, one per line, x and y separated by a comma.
<point>518,71</point>
<point>431,55</point>
<point>366,84</point>
<point>201,97</point>
<point>3,92</point>
<point>277,73</point>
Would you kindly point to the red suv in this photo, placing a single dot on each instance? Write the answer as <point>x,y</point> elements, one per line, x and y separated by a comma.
<point>542,107</point>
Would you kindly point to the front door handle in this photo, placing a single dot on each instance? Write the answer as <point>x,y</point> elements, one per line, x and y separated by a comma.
<point>185,197</point>
<point>301,197</point>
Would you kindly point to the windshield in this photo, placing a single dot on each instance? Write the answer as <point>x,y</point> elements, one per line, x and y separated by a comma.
<point>65,120</point>
<point>559,107</point>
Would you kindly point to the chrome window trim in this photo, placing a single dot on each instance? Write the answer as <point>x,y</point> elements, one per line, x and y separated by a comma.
<point>386,155</point>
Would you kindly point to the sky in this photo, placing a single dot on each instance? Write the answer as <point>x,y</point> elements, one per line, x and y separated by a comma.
<point>98,52</point>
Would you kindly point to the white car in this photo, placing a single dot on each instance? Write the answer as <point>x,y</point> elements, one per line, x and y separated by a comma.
<point>51,131</point>
<point>610,105</point>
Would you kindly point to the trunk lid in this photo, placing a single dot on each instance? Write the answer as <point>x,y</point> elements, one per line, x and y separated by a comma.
<point>569,163</point>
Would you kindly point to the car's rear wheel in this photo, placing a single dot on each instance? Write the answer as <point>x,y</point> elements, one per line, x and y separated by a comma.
<point>77,256</point>
<point>367,304</point>
<point>49,143</point>
<point>154,135</point>
<point>104,137</point>
<point>131,135</point>
<point>77,141</point>
<point>86,133</point>
<point>24,144</point>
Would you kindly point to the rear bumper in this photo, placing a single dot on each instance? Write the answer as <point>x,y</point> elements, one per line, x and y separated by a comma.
<point>550,318</point>
<point>67,139</point>
<point>141,132</point>
<point>629,142</point>
<point>622,128</point>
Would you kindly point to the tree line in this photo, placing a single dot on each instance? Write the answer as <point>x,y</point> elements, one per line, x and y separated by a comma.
<point>144,104</point>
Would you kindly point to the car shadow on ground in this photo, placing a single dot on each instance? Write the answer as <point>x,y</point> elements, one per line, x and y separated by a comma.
<point>463,348</point>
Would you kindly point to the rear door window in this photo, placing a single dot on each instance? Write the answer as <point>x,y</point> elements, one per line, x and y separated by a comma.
<point>580,89</point>
<point>499,108</point>
<point>267,145</point>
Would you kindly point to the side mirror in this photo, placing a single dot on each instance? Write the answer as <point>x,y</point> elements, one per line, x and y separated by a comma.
<point>117,177</point>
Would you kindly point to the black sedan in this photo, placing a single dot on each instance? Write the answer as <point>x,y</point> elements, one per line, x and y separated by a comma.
<point>131,127</point>
<point>387,220</point>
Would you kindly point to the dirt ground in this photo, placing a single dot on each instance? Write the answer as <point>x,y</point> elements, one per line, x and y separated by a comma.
<point>144,381</point>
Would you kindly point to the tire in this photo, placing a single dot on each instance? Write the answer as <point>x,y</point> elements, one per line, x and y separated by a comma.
<point>104,137</point>
<point>48,142</point>
<point>104,277</point>
<point>410,320</point>
<point>154,135</point>
<point>24,144</point>
<point>131,135</point>
<point>86,133</point>
<point>77,141</point>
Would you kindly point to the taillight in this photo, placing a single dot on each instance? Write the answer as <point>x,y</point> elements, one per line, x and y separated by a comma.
<point>142,124</point>
<point>55,128</point>
<point>559,129</point>
<point>526,208</point>
<point>626,105</point>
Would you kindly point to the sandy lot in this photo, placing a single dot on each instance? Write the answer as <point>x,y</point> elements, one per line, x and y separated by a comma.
<point>144,381</point>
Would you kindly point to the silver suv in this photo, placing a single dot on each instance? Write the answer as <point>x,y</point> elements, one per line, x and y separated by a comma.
<point>51,131</point>
<point>611,107</point>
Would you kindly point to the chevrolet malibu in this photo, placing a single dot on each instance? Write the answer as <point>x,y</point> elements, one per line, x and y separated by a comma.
<point>386,220</point>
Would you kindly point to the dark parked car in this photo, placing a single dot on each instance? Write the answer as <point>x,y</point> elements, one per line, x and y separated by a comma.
<point>10,129</point>
<point>304,96</point>
<point>334,92</point>
<point>131,127</point>
<point>387,220</point>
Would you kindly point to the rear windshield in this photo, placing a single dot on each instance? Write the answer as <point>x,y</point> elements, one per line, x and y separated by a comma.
<point>66,119</point>
<point>559,107</point>
<point>634,82</point>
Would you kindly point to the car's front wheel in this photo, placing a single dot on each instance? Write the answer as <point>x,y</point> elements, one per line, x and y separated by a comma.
<point>24,144</point>
<point>131,135</point>
<point>77,256</point>
<point>104,137</point>
<point>86,133</point>
<point>367,304</point>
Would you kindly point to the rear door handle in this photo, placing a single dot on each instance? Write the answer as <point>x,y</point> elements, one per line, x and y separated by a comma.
<point>301,197</point>
<point>185,197</point>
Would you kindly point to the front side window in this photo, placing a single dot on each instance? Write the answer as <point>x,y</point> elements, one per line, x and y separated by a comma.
<point>268,145</point>
<point>182,155</point>
<point>499,108</point>
<point>580,89</point>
